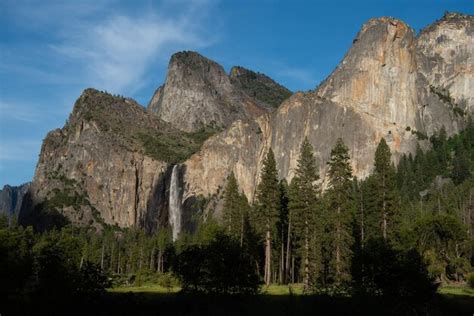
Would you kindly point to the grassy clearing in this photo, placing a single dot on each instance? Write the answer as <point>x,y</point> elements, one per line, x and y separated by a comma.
<point>144,289</point>
<point>277,290</point>
<point>457,290</point>
<point>296,289</point>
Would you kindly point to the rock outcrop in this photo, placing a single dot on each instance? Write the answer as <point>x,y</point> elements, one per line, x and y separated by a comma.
<point>198,93</point>
<point>112,162</point>
<point>267,92</point>
<point>390,84</point>
<point>96,169</point>
<point>11,199</point>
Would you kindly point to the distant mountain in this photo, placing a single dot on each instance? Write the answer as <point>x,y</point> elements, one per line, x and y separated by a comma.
<point>11,199</point>
<point>112,162</point>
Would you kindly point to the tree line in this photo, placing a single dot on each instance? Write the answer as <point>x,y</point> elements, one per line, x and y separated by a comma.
<point>301,233</point>
<point>401,230</point>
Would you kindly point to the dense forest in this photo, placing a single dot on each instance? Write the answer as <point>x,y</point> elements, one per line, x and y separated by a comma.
<point>402,232</point>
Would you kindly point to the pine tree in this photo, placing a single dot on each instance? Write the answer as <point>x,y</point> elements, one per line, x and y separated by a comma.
<point>267,208</point>
<point>383,190</point>
<point>243,217</point>
<point>232,210</point>
<point>440,148</point>
<point>303,200</point>
<point>283,226</point>
<point>341,209</point>
<point>461,164</point>
<point>419,168</point>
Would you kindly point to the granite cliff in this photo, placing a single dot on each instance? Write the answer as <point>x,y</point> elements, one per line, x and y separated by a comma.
<point>391,83</point>
<point>198,93</point>
<point>112,162</point>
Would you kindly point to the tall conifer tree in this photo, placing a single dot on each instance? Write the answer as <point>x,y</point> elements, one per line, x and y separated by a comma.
<point>232,207</point>
<point>267,208</point>
<point>383,189</point>
<point>235,211</point>
<point>303,212</point>
<point>283,226</point>
<point>341,209</point>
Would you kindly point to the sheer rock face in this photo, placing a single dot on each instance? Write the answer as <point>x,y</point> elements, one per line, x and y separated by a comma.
<point>390,84</point>
<point>198,93</point>
<point>89,159</point>
<point>240,148</point>
<point>445,60</point>
<point>11,198</point>
<point>377,76</point>
<point>111,163</point>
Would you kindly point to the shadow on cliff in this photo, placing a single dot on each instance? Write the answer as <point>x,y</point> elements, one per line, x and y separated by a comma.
<point>39,216</point>
<point>156,215</point>
<point>157,212</point>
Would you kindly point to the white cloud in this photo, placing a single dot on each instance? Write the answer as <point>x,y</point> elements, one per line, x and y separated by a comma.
<point>116,52</point>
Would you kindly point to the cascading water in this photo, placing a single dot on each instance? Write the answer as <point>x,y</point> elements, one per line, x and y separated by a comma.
<point>175,204</point>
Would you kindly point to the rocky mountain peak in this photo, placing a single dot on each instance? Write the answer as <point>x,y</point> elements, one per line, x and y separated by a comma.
<point>376,75</point>
<point>199,94</point>
<point>265,90</point>
<point>92,100</point>
<point>116,157</point>
<point>459,19</point>
<point>384,21</point>
<point>389,84</point>
<point>190,61</point>
<point>444,51</point>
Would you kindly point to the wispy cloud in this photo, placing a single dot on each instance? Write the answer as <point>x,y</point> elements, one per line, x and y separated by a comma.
<point>35,73</point>
<point>17,112</point>
<point>302,76</point>
<point>117,52</point>
<point>297,76</point>
<point>19,150</point>
<point>104,43</point>
<point>50,50</point>
<point>26,112</point>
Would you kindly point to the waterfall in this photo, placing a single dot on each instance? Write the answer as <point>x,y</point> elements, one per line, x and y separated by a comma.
<point>174,212</point>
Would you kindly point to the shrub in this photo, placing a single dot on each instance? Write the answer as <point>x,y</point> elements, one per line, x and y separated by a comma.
<point>220,267</point>
<point>382,270</point>
<point>91,281</point>
<point>470,280</point>
<point>168,281</point>
<point>144,276</point>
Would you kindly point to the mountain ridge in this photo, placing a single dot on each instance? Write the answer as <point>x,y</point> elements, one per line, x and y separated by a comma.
<point>391,83</point>
<point>198,93</point>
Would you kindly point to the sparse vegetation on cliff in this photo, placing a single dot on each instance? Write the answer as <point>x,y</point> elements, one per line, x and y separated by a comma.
<point>125,123</point>
<point>174,148</point>
<point>259,86</point>
<point>445,96</point>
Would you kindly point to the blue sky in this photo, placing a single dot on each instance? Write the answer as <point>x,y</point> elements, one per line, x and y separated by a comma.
<point>52,50</point>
